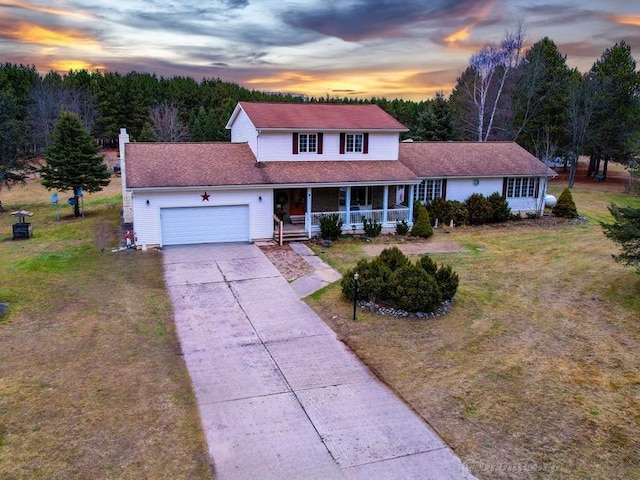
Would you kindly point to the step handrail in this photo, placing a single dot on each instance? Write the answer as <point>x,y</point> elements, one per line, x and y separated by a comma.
<point>280,225</point>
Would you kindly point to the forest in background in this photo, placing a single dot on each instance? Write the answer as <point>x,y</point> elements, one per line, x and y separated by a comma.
<point>506,93</point>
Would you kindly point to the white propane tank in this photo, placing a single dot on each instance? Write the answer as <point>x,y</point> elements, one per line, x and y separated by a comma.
<point>550,201</point>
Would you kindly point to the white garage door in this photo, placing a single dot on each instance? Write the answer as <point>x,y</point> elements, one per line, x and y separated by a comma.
<point>204,224</point>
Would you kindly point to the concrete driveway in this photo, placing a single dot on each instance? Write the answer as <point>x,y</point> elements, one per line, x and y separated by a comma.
<point>279,396</point>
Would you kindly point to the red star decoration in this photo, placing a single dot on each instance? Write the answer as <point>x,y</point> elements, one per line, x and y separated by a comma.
<point>205,197</point>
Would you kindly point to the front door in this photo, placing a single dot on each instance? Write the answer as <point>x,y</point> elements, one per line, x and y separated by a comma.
<point>297,201</point>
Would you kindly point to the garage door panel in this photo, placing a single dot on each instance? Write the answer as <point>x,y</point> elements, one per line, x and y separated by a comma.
<point>187,225</point>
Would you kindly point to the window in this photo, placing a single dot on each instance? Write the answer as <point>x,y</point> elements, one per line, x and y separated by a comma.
<point>307,142</point>
<point>430,190</point>
<point>354,143</point>
<point>521,187</point>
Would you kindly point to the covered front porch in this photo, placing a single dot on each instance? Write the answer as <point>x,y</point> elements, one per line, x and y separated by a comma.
<point>298,210</point>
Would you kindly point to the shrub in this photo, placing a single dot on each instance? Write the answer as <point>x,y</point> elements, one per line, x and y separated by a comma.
<point>414,290</point>
<point>447,280</point>
<point>402,228</point>
<point>479,209</point>
<point>565,207</point>
<point>371,227</point>
<point>422,226</point>
<point>330,227</point>
<point>427,263</point>
<point>373,280</point>
<point>393,258</point>
<point>500,209</point>
<point>447,210</point>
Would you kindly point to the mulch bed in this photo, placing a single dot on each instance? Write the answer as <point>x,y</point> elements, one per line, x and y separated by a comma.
<point>289,263</point>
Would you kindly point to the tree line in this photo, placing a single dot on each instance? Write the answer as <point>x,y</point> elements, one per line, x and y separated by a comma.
<point>505,93</point>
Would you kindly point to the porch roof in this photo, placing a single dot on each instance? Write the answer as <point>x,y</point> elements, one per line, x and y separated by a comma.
<point>471,159</point>
<point>338,171</point>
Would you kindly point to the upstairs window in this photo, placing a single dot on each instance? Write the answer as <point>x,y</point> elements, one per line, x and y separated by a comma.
<point>307,143</point>
<point>521,187</point>
<point>354,143</point>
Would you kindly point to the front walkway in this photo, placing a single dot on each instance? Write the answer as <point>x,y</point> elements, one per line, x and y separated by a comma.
<point>279,396</point>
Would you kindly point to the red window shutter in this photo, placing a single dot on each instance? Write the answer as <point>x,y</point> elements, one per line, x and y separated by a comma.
<point>295,143</point>
<point>444,189</point>
<point>320,143</point>
<point>343,137</point>
<point>504,187</point>
<point>365,143</point>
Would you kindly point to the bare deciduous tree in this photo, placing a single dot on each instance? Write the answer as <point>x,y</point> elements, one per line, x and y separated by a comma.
<point>493,65</point>
<point>166,124</point>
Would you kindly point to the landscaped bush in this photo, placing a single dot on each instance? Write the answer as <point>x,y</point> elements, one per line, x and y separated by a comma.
<point>402,228</point>
<point>414,290</point>
<point>422,226</point>
<point>391,279</point>
<point>373,281</point>
<point>565,207</point>
<point>393,258</point>
<point>330,226</point>
<point>500,209</point>
<point>371,227</point>
<point>479,209</point>
<point>447,280</point>
<point>447,210</point>
<point>427,263</point>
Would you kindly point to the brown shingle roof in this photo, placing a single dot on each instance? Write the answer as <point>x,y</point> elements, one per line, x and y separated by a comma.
<point>211,164</point>
<point>336,171</point>
<point>470,159</point>
<point>320,116</point>
<point>190,164</point>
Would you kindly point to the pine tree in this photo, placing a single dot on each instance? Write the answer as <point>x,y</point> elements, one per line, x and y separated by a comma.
<point>565,207</point>
<point>626,233</point>
<point>422,227</point>
<point>72,161</point>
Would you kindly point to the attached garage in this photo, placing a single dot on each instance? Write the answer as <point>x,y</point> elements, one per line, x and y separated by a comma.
<point>210,224</point>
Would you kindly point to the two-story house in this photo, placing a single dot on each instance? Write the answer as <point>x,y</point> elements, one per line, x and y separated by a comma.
<point>290,163</point>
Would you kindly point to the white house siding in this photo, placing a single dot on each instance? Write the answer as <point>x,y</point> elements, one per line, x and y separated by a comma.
<point>461,188</point>
<point>279,146</point>
<point>245,131</point>
<point>146,218</point>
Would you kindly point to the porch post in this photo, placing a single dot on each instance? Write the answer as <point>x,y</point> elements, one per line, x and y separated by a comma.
<point>347,208</point>
<point>385,204</point>
<point>410,219</point>
<point>307,218</point>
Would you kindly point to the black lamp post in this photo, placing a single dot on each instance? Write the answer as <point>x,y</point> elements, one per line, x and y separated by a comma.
<point>355,293</point>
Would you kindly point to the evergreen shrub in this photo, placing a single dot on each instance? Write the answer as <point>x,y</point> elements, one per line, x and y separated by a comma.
<point>565,207</point>
<point>330,227</point>
<point>422,226</point>
<point>414,290</point>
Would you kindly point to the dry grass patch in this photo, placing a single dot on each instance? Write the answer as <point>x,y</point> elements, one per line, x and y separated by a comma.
<point>92,384</point>
<point>535,372</point>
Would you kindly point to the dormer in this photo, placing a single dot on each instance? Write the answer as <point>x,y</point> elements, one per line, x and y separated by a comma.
<point>316,131</point>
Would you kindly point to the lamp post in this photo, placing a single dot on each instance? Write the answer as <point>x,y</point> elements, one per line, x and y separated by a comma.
<point>355,293</point>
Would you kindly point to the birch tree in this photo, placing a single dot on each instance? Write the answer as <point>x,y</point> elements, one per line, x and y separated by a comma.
<point>493,65</point>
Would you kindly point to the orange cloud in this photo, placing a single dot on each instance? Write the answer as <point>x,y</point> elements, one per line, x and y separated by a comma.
<point>30,33</point>
<point>465,31</point>
<point>626,19</point>
<point>64,66</point>
<point>52,11</point>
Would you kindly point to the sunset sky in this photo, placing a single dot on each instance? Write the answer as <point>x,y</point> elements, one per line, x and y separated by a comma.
<point>393,48</point>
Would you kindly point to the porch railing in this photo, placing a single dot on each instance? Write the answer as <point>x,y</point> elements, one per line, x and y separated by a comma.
<point>354,217</point>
